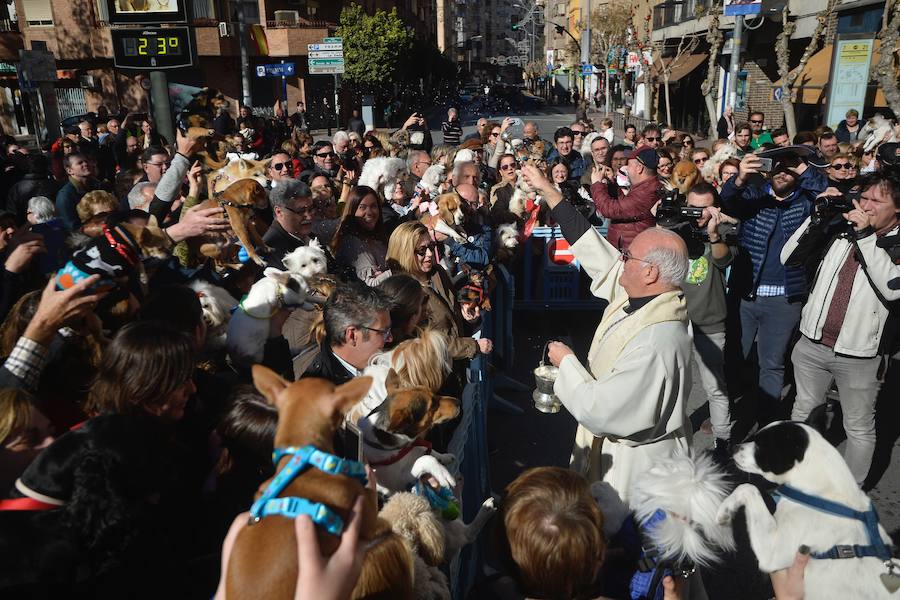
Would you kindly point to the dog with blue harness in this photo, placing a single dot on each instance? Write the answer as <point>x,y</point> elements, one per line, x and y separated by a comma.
<point>817,504</point>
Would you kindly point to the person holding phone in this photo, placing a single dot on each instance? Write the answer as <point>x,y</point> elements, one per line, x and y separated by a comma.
<point>419,134</point>
<point>771,206</point>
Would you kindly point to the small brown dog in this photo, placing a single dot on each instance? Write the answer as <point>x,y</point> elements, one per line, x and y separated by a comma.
<point>263,563</point>
<point>446,209</point>
<point>238,201</point>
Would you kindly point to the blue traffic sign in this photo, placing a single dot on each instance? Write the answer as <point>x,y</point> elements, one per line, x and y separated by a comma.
<point>276,70</point>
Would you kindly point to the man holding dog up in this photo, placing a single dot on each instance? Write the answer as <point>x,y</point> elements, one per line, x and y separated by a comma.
<point>850,322</point>
<point>631,399</point>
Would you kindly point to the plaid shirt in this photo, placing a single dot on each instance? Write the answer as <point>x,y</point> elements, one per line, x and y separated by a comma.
<point>767,291</point>
<point>26,361</point>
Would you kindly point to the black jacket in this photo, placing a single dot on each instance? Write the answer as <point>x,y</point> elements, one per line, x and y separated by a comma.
<point>281,242</point>
<point>327,366</point>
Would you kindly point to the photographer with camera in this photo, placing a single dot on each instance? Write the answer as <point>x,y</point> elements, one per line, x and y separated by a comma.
<point>771,206</point>
<point>629,214</point>
<point>850,321</point>
<point>710,235</point>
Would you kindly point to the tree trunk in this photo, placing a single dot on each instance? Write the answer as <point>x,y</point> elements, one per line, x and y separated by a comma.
<point>790,119</point>
<point>713,132</point>
<point>606,90</point>
<point>668,106</point>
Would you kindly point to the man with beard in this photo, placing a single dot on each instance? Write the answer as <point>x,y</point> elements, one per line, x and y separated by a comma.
<point>771,206</point>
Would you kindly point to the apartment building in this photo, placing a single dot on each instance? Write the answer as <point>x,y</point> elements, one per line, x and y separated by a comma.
<point>77,32</point>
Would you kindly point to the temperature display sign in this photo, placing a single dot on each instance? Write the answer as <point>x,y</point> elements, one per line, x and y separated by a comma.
<point>152,48</point>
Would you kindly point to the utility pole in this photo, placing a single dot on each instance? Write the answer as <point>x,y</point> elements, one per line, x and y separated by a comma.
<point>586,55</point>
<point>735,60</point>
<point>246,99</point>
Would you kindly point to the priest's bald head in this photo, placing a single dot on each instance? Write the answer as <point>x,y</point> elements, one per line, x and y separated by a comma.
<point>655,262</point>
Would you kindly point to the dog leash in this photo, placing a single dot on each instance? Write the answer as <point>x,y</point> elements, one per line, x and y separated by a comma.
<point>869,518</point>
<point>292,507</point>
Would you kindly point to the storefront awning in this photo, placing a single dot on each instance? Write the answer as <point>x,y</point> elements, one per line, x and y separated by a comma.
<point>683,67</point>
<point>810,87</point>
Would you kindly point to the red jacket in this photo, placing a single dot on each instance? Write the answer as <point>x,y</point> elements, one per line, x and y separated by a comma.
<point>628,214</point>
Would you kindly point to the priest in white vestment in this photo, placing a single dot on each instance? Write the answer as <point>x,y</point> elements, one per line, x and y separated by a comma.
<point>630,400</point>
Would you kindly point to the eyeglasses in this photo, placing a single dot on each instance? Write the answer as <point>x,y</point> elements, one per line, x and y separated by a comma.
<point>577,133</point>
<point>423,250</point>
<point>625,256</point>
<point>369,146</point>
<point>385,333</point>
<point>842,166</point>
<point>162,165</point>
<point>652,139</point>
<point>326,154</point>
<point>308,210</point>
<point>507,166</point>
<point>281,166</point>
<point>700,161</point>
<point>756,122</point>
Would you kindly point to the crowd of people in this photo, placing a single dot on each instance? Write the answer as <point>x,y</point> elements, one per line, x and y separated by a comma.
<point>131,438</point>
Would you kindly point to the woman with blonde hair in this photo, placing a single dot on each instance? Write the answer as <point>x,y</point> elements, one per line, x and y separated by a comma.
<point>411,250</point>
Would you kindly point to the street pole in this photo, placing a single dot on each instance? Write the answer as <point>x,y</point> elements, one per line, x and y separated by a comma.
<point>284,89</point>
<point>586,54</point>
<point>162,110</point>
<point>337,107</point>
<point>735,60</point>
<point>246,100</point>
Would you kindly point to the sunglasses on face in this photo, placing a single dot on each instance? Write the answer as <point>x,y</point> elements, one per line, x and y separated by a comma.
<point>307,210</point>
<point>507,166</point>
<point>423,250</point>
<point>700,161</point>
<point>755,122</point>
<point>369,147</point>
<point>281,166</point>
<point>651,139</point>
<point>326,154</point>
<point>577,133</point>
<point>842,166</point>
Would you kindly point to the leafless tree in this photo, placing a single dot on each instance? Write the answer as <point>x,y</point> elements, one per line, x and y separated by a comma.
<point>714,38</point>
<point>686,47</point>
<point>783,57</point>
<point>887,71</point>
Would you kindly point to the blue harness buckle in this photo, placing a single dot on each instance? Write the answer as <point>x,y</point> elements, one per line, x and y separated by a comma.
<point>292,507</point>
<point>844,551</point>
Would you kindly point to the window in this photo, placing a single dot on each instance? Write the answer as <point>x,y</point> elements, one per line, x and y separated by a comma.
<point>37,13</point>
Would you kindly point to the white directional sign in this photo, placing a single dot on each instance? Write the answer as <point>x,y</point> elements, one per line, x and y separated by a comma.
<point>327,54</point>
<point>318,47</point>
<point>326,70</point>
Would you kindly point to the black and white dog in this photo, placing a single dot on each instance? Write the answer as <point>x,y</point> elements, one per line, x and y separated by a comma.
<point>818,505</point>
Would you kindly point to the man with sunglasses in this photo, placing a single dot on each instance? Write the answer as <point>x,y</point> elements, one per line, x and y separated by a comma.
<point>280,168</point>
<point>325,158</point>
<point>757,122</point>
<point>295,215</point>
<point>651,137</point>
<point>771,207</point>
<point>630,399</point>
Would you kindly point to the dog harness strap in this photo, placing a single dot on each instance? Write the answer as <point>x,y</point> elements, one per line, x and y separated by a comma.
<point>125,251</point>
<point>327,463</point>
<point>25,504</point>
<point>293,507</point>
<point>389,461</point>
<point>869,518</point>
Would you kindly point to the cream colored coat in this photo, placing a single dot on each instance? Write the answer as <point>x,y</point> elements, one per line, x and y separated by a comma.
<point>630,406</point>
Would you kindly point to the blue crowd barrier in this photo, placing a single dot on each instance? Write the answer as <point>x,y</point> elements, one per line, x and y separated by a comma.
<point>560,283</point>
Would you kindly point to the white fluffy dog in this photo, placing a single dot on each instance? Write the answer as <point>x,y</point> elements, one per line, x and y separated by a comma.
<point>521,195</point>
<point>248,329</point>
<point>877,130</point>
<point>307,261</point>
<point>382,174</point>
<point>710,170</point>
<point>217,305</point>
<point>432,179</point>
<point>506,241</point>
<point>810,470</point>
<point>689,490</point>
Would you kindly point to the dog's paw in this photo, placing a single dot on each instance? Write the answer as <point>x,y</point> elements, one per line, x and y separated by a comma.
<point>445,459</point>
<point>429,466</point>
<point>259,261</point>
<point>732,503</point>
<point>489,504</point>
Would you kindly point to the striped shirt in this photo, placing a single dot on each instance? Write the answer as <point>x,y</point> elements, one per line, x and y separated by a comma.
<point>452,132</point>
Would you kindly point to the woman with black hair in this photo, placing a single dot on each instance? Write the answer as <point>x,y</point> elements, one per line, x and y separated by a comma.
<point>360,242</point>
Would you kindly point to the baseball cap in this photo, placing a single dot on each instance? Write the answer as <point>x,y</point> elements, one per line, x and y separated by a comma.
<point>646,155</point>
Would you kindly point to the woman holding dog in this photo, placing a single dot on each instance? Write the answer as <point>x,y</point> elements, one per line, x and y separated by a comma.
<point>411,250</point>
<point>360,243</point>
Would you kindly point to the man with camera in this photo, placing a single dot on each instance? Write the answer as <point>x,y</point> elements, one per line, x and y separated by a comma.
<point>771,205</point>
<point>709,234</point>
<point>628,214</point>
<point>850,321</point>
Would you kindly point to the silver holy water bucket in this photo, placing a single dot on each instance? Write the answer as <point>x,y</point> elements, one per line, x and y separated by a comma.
<point>544,377</point>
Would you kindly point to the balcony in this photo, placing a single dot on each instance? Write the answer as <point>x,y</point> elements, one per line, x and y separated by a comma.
<point>288,38</point>
<point>11,41</point>
<point>673,12</point>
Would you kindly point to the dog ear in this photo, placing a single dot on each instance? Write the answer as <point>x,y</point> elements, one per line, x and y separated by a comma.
<point>348,394</point>
<point>278,275</point>
<point>152,222</point>
<point>268,383</point>
<point>448,408</point>
<point>392,382</point>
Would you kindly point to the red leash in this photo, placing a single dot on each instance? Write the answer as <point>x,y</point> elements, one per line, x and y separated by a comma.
<point>25,504</point>
<point>402,453</point>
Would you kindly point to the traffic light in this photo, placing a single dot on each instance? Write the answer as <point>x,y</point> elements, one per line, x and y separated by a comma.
<point>513,22</point>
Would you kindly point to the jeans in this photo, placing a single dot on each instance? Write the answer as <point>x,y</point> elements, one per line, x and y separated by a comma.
<point>709,354</point>
<point>815,365</point>
<point>770,321</point>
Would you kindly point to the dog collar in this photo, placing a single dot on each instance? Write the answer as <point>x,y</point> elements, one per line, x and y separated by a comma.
<point>868,518</point>
<point>418,443</point>
<point>124,250</point>
<point>279,304</point>
<point>291,507</point>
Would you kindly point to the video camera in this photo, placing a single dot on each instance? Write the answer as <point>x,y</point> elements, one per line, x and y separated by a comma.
<point>829,207</point>
<point>674,215</point>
